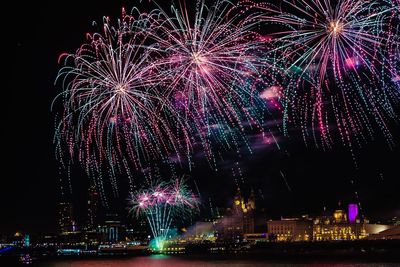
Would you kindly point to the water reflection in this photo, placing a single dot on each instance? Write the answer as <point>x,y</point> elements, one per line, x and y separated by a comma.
<point>25,259</point>
<point>169,261</point>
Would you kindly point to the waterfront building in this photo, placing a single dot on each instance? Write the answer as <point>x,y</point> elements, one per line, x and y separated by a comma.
<point>291,229</point>
<point>91,237</point>
<point>249,209</point>
<point>328,231</point>
<point>48,241</point>
<point>137,231</point>
<point>388,234</point>
<point>375,228</point>
<point>339,226</point>
<point>17,239</point>
<point>239,219</point>
<point>257,237</point>
<point>66,222</point>
<point>92,208</point>
<point>112,231</point>
<point>71,239</point>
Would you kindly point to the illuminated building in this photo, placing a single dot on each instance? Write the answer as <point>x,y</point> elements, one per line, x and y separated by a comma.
<point>291,229</point>
<point>353,212</point>
<point>137,230</point>
<point>17,240</point>
<point>335,226</point>
<point>249,214</point>
<point>66,222</point>
<point>92,204</point>
<point>373,229</point>
<point>256,237</point>
<point>239,219</point>
<point>388,234</point>
<point>339,216</point>
<point>339,227</point>
<point>112,230</point>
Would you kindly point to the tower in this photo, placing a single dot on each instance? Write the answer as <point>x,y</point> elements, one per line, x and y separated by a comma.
<point>352,212</point>
<point>65,217</point>
<point>243,212</point>
<point>237,202</point>
<point>249,214</point>
<point>92,206</point>
<point>252,201</point>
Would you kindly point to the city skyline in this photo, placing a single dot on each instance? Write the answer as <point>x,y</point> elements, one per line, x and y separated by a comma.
<point>293,178</point>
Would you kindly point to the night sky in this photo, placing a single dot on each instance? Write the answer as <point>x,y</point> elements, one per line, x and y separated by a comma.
<point>38,32</point>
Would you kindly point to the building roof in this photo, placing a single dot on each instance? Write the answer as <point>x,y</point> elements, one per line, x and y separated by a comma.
<point>392,233</point>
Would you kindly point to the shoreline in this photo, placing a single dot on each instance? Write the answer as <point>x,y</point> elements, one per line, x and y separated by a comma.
<point>367,251</point>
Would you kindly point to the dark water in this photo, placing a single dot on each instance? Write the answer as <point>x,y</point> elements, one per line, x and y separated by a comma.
<point>170,261</point>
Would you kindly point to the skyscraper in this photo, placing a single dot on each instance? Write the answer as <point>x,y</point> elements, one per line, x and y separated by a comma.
<point>92,206</point>
<point>65,217</point>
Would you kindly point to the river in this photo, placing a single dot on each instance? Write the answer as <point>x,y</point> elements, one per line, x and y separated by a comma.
<point>171,261</point>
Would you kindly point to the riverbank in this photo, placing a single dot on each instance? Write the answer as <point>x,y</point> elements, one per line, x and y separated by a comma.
<point>343,251</point>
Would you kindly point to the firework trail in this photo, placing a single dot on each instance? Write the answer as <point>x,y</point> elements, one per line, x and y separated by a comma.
<point>340,59</point>
<point>208,60</point>
<point>160,204</point>
<point>157,84</point>
<point>394,49</point>
<point>154,85</point>
<point>113,114</point>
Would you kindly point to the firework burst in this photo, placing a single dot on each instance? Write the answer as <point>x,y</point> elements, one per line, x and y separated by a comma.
<point>207,62</point>
<point>158,83</point>
<point>160,204</point>
<point>340,70</point>
<point>113,113</point>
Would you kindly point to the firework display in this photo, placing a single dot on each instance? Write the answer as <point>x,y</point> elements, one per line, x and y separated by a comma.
<point>219,84</point>
<point>114,115</point>
<point>339,59</point>
<point>154,85</point>
<point>394,45</point>
<point>157,85</point>
<point>160,204</point>
<point>208,60</point>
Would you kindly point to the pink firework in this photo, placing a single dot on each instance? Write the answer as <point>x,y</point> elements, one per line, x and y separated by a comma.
<point>113,114</point>
<point>208,60</point>
<point>339,57</point>
<point>161,204</point>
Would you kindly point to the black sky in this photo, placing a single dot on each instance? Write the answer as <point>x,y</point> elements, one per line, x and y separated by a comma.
<point>39,31</point>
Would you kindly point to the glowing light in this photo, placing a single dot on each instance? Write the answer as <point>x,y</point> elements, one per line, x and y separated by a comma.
<point>339,58</point>
<point>160,211</point>
<point>336,27</point>
<point>271,93</point>
<point>207,62</point>
<point>353,213</point>
<point>114,115</point>
<point>352,62</point>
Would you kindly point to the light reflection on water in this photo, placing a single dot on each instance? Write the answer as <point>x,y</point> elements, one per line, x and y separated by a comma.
<point>168,261</point>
